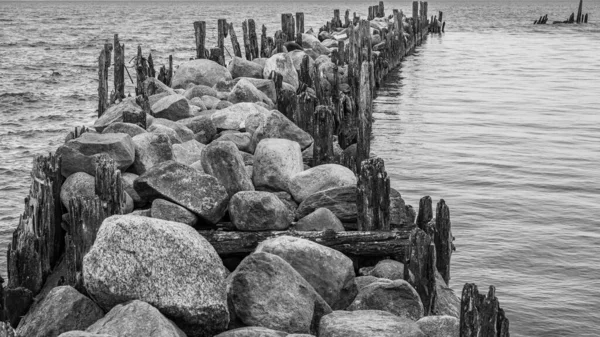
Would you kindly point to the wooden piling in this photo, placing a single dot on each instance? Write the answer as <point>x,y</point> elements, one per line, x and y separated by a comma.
<point>443,240</point>
<point>300,23</point>
<point>425,213</point>
<point>373,196</point>
<point>119,70</point>
<point>216,55</point>
<point>253,39</point>
<point>305,113</point>
<point>138,118</point>
<point>246,36</point>
<point>151,71</point>
<point>364,115</point>
<point>234,42</point>
<point>264,47</point>
<point>222,29</point>
<point>103,65</point>
<point>481,315</point>
<point>579,10</point>
<point>586,18</point>
<point>200,34</point>
<point>323,136</point>
<point>381,10</point>
<point>347,18</point>
<point>422,264</point>
<point>141,69</point>
<point>288,27</point>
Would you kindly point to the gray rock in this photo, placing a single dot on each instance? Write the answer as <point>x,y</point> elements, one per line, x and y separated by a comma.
<point>211,102</point>
<point>320,220</point>
<point>310,41</point>
<point>198,166</point>
<point>151,149</point>
<point>340,200</point>
<point>199,71</point>
<point>234,117</point>
<point>446,301</point>
<point>167,131</point>
<point>166,210</point>
<point>78,184</point>
<point>388,269</point>
<point>276,125</point>
<point>183,132</point>
<point>166,264</point>
<point>289,203</point>
<point>200,193</point>
<point>63,309</point>
<point>253,331</point>
<point>266,291</point>
<point>240,139</point>
<point>127,178</point>
<point>80,154</point>
<point>172,107</point>
<point>198,91</point>
<point>119,127</point>
<point>320,178</point>
<point>115,113</point>
<point>258,211</point>
<point>239,67</point>
<point>223,161</point>
<point>197,102</point>
<point>397,297</point>
<point>283,64</point>
<point>223,104</point>
<point>439,326</point>
<point>244,91</point>
<point>158,86</point>
<point>79,333</point>
<point>188,152</point>
<point>264,85</point>
<point>136,319</point>
<point>260,60</point>
<point>363,281</point>
<point>398,217</point>
<point>202,126</point>
<point>297,56</point>
<point>157,97</point>
<point>276,161</point>
<point>330,272</point>
<point>372,323</point>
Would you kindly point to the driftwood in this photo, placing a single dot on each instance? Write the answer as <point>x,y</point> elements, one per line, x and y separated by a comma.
<point>373,196</point>
<point>200,35</point>
<point>481,315</point>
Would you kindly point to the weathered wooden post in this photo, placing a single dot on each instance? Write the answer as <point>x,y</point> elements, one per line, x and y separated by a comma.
<point>373,196</point>
<point>119,71</point>
<point>200,34</point>
<point>443,240</point>
<point>381,10</point>
<point>222,29</point>
<point>234,42</point>
<point>151,71</point>
<point>279,40</point>
<point>300,22</point>
<point>363,148</point>
<point>422,263</point>
<point>288,27</point>
<point>216,55</point>
<point>425,213</point>
<point>264,47</point>
<point>323,135</point>
<point>246,34</point>
<point>586,18</point>
<point>579,10</point>
<point>481,315</point>
<point>336,22</point>
<point>415,16</point>
<point>253,38</point>
<point>138,118</point>
<point>103,65</point>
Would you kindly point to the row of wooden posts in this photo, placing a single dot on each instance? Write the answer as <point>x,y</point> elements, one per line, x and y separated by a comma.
<point>580,18</point>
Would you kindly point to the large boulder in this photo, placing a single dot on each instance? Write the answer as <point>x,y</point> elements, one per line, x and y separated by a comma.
<point>264,85</point>
<point>199,71</point>
<point>266,291</point>
<point>276,161</point>
<point>202,126</point>
<point>253,331</point>
<point>245,91</point>
<point>223,161</point>
<point>234,117</point>
<point>136,319</point>
<point>165,130</point>
<point>320,178</point>
<point>151,149</point>
<point>119,127</point>
<point>372,323</point>
<point>274,124</point>
<point>240,139</point>
<point>63,309</point>
<point>310,41</point>
<point>330,272</point>
<point>340,200</point>
<point>172,107</point>
<point>197,91</point>
<point>166,264</point>
<point>166,210</point>
<point>80,154</point>
<point>397,297</point>
<point>320,220</point>
<point>440,326</point>
<point>200,193</point>
<point>388,269</point>
<point>188,152</point>
<point>297,56</point>
<point>115,113</point>
<point>258,211</point>
<point>239,67</point>
<point>283,64</point>
<point>183,132</point>
<point>78,184</point>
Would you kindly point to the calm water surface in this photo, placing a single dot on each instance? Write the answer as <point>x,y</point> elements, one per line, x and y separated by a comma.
<point>498,117</point>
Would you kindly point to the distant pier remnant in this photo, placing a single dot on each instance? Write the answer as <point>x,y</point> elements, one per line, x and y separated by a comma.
<point>579,18</point>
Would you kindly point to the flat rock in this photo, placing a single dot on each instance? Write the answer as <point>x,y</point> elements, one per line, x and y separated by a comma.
<point>245,91</point>
<point>372,323</point>
<point>283,64</point>
<point>158,87</point>
<point>253,331</point>
<point>276,125</point>
<point>330,272</point>
<point>151,149</point>
<point>340,200</point>
<point>172,107</point>
<point>115,113</point>
<point>199,91</point>
<point>119,127</point>
<point>320,178</point>
<point>199,71</point>
<point>166,210</point>
<point>234,117</point>
<point>239,67</point>
<point>397,297</point>
<point>440,326</point>
<point>80,154</point>
<point>78,184</point>
<point>166,264</point>
<point>200,193</point>
<point>320,220</point>
<point>188,152</point>
<point>266,291</point>
<point>258,211</point>
<point>276,161</point>
<point>63,309</point>
<point>223,160</point>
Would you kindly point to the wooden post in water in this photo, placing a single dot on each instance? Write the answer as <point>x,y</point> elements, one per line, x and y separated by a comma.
<point>103,65</point>
<point>323,135</point>
<point>247,48</point>
<point>216,55</point>
<point>415,16</point>
<point>288,27</point>
<point>363,148</point>
<point>200,34</point>
<point>170,77</point>
<point>373,196</point>
<point>264,47</point>
<point>138,118</point>
<point>425,212</point>
<point>586,18</point>
<point>253,39</point>
<point>222,29</point>
<point>443,240</point>
<point>579,10</point>
<point>300,22</point>
<point>422,263</point>
<point>381,10</point>
<point>481,315</point>
<point>234,42</point>
<point>119,71</point>
<point>151,71</point>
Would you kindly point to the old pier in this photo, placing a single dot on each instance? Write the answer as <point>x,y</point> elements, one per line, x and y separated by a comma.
<point>237,195</point>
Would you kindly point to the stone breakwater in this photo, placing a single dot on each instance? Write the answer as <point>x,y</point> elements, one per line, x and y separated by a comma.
<point>240,198</point>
